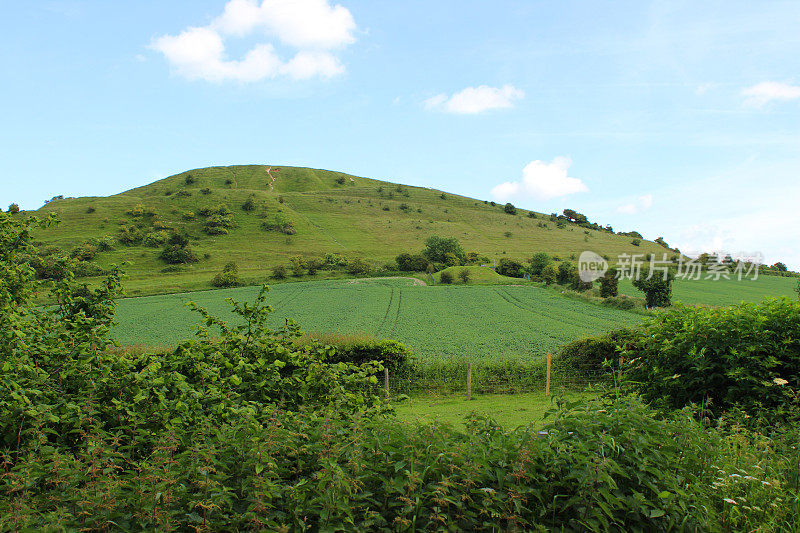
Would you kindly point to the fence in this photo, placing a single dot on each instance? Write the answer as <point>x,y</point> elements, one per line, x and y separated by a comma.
<point>473,378</point>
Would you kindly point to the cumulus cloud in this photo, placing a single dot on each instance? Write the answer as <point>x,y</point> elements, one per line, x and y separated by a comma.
<point>762,93</point>
<point>313,28</point>
<point>541,180</point>
<point>473,100</point>
<point>642,203</point>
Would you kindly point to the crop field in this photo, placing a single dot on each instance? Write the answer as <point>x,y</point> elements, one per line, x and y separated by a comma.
<point>455,322</point>
<point>723,292</point>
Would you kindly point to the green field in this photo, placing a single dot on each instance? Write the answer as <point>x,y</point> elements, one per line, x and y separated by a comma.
<point>436,321</point>
<point>723,292</point>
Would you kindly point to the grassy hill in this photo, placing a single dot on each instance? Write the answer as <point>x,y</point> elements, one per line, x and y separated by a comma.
<point>315,211</point>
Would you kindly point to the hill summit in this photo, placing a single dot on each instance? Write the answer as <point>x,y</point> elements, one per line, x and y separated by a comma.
<point>260,216</point>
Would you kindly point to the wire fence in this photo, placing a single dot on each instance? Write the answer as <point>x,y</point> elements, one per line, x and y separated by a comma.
<point>488,380</point>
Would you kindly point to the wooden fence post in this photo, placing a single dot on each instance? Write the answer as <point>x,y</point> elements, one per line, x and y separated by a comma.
<point>469,381</point>
<point>547,386</point>
<point>386,380</point>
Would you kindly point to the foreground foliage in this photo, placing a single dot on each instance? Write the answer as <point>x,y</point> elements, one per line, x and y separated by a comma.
<point>246,429</point>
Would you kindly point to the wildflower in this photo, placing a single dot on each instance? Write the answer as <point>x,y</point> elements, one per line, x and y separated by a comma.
<point>779,381</point>
<point>729,500</point>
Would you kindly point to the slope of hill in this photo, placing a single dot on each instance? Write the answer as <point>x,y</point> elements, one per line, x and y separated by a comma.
<point>273,214</point>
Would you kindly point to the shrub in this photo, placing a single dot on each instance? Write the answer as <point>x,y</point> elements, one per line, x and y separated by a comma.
<point>279,272</point>
<point>155,239</point>
<point>13,209</point>
<point>437,248</point>
<point>129,235</point>
<point>657,287</point>
<point>511,268</point>
<point>620,302</point>
<point>394,355</point>
<point>84,252</point>
<point>589,354</point>
<point>510,209</point>
<point>249,204</point>
<point>746,356</point>
<point>298,266</point>
<point>446,277</point>
<point>90,210</point>
<point>577,284</point>
<point>312,265</point>
<point>636,242</point>
<point>188,215</point>
<point>549,274</point>
<point>278,222</point>
<point>177,251</point>
<point>566,272</point>
<point>538,262</point>
<point>189,179</point>
<point>531,214</point>
<point>411,263</point>
<point>463,275</point>
<point>357,267</point>
<point>609,283</point>
<point>229,277</point>
<point>205,190</point>
<point>340,180</point>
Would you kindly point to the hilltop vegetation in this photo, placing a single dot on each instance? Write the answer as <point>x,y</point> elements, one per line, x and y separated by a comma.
<point>259,216</point>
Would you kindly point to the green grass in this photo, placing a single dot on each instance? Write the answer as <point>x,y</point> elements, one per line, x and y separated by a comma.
<point>451,322</point>
<point>371,219</point>
<point>478,275</point>
<point>723,292</point>
<point>508,410</point>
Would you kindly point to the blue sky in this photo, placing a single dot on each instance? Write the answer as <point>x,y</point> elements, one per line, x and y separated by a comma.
<point>677,119</point>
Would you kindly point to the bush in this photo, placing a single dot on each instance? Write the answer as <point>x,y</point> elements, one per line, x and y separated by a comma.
<point>13,209</point>
<point>510,209</point>
<point>395,356</point>
<point>90,210</point>
<point>298,266</point>
<point>278,222</point>
<point>229,277</point>
<point>156,238</point>
<point>446,278</point>
<point>279,272</point>
<point>609,283</point>
<point>657,289</point>
<point>411,263</point>
<point>549,274</point>
<point>538,262</point>
<point>577,284</point>
<point>249,204</point>
<point>565,273</point>
<point>589,354</point>
<point>746,356</point>
<point>129,235</point>
<point>511,268</point>
<point>463,275</point>
<point>357,267</point>
<point>189,179</point>
<point>620,302</point>
<point>636,242</point>
<point>437,248</point>
<point>177,251</point>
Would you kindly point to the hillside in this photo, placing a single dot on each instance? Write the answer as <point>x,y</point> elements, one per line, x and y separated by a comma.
<point>308,212</point>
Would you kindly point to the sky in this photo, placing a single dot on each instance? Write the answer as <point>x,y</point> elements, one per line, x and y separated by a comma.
<point>675,119</point>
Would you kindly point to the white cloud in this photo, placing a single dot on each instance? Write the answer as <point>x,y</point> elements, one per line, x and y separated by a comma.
<point>312,27</point>
<point>762,93</point>
<point>642,203</point>
<point>473,100</point>
<point>541,180</point>
<point>703,88</point>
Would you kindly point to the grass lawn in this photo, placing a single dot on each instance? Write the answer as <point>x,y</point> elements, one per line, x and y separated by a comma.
<point>508,410</point>
<point>723,292</point>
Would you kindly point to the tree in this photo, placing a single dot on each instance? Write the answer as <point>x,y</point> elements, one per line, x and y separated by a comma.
<point>577,284</point>
<point>538,262</point>
<point>510,268</point>
<point>229,277</point>
<point>437,248</point>
<point>574,216</point>
<point>609,284</point>
<point>298,266</point>
<point>13,209</point>
<point>510,209</point>
<point>549,274</point>
<point>177,250</point>
<point>411,263</point>
<point>565,271</point>
<point>780,267</point>
<point>657,289</point>
<point>463,275</point>
<point>279,272</point>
